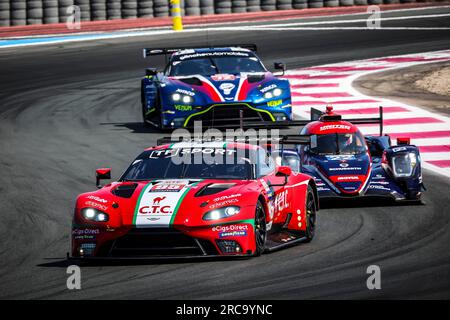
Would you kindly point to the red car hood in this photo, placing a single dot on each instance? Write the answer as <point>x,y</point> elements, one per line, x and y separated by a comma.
<point>163,203</point>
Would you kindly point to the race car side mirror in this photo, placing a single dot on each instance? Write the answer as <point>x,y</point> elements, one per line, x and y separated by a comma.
<point>283,171</point>
<point>151,72</point>
<point>279,66</point>
<point>102,174</point>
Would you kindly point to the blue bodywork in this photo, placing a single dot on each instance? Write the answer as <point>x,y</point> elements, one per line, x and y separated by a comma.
<point>391,172</point>
<point>175,98</point>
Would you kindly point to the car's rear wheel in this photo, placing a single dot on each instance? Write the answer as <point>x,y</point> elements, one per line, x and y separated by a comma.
<point>310,215</point>
<point>260,229</point>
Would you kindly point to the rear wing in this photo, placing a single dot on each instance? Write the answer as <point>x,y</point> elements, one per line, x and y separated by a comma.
<point>254,139</point>
<point>315,116</point>
<point>165,51</point>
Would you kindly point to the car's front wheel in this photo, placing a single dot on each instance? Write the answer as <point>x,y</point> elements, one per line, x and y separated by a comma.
<point>310,215</point>
<point>260,229</point>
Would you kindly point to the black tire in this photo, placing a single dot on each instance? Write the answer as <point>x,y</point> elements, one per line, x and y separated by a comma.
<point>158,124</point>
<point>260,229</point>
<point>310,215</point>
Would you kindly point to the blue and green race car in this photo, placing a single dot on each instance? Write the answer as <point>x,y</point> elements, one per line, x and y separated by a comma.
<point>220,86</point>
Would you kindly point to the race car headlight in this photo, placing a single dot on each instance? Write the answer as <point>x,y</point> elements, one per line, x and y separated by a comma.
<point>403,164</point>
<point>273,93</point>
<point>176,97</point>
<point>94,215</point>
<point>221,213</point>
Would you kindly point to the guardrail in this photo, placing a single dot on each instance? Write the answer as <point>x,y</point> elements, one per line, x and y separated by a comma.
<point>28,12</point>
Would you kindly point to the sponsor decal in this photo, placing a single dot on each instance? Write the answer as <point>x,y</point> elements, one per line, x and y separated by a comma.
<point>344,169</point>
<point>227,87</point>
<point>158,203</point>
<point>347,178</point>
<point>223,77</point>
<point>98,199</point>
<point>377,187</point>
<point>214,54</point>
<point>269,87</point>
<point>230,228</point>
<point>274,103</point>
<point>175,152</point>
<point>340,157</point>
<point>397,149</point>
<point>281,201</point>
<point>96,205</point>
<point>227,197</point>
<point>334,126</point>
<point>233,234</point>
<point>380,182</point>
<point>323,189</point>
<point>186,92</point>
<point>85,234</point>
<point>167,187</point>
<point>223,203</point>
<point>181,107</point>
<point>344,164</point>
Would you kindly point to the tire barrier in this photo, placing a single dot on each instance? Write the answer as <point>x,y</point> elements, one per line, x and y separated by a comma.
<point>50,10</point>
<point>238,6</point>
<point>85,9</point>
<point>299,4</point>
<point>253,5</point>
<point>35,14</point>
<point>114,9</point>
<point>284,5</point>
<point>315,3</point>
<point>331,3</point>
<point>145,9</point>
<point>222,6</point>
<point>192,7</point>
<point>161,8</point>
<point>23,12</point>
<point>129,9</point>
<point>268,5</point>
<point>5,16</point>
<point>345,3</point>
<point>206,7</point>
<point>98,10</point>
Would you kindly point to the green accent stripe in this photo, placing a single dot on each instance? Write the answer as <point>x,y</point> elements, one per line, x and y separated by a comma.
<point>225,105</point>
<point>178,206</point>
<point>249,221</point>
<point>136,209</point>
<point>175,211</point>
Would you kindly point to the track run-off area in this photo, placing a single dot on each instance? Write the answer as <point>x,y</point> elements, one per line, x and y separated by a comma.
<point>67,108</point>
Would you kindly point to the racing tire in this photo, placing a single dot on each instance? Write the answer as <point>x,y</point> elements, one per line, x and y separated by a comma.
<point>310,215</point>
<point>260,229</point>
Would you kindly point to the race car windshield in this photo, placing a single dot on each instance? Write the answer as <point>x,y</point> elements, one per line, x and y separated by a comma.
<point>338,143</point>
<point>150,166</point>
<point>209,66</point>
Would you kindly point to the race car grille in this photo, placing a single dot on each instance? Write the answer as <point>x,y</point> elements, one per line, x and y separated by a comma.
<point>158,242</point>
<point>228,115</point>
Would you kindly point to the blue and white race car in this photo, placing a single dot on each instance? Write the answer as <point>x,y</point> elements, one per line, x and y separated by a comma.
<point>346,164</point>
<point>219,86</point>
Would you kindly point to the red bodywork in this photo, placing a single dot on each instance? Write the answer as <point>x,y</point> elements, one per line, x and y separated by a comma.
<point>100,239</point>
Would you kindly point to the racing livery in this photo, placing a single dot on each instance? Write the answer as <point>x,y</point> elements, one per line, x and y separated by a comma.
<point>344,163</point>
<point>196,199</point>
<point>215,85</point>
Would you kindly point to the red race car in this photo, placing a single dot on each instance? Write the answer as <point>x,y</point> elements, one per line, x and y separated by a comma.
<point>196,199</point>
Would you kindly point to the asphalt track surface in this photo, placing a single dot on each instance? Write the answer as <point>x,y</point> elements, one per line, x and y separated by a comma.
<point>67,109</point>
